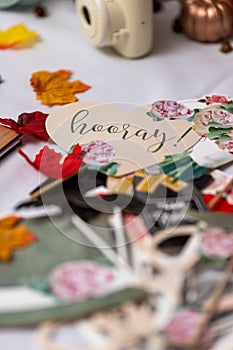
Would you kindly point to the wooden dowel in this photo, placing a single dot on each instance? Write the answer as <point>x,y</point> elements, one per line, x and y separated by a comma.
<point>216,296</point>
<point>55,183</point>
<point>219,195</point>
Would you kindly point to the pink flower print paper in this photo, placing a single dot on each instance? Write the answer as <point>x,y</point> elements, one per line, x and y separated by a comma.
<point>98,153</point>
<point>166,109</point>
<point>79,280</point>
<point>184,327</point>
<point>217,244</point>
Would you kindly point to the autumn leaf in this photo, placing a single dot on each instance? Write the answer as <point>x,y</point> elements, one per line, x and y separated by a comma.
<point>13,236</point>
<point>15,36</point>
<point>54,88</point>
<point>29,124</point>
<point>49,162</point>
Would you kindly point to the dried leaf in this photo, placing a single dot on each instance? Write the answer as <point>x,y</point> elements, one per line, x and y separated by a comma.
<point>29,124</point>
<point>53,88</point>
<point>49,162</point>
<point>13,236</point>
<point>16,35</point>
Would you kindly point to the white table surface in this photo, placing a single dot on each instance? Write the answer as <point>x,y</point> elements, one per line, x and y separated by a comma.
<point>177,68</point>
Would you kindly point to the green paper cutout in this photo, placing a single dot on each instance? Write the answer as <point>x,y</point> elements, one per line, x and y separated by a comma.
<point>155,119</point>
<point>196,110</point>
<point>182,167</point>
<point>220,126</point>
<point>217,262</point>
<point>52,248</point>
<point>109,169</point>
<point>218,131</point>
<point>227,107</point>
<point>69,311</point>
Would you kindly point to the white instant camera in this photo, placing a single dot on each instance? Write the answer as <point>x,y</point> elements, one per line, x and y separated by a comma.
<point>126,25</point>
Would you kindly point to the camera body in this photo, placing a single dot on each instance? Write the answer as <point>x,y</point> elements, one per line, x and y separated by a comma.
<point>126,25</point>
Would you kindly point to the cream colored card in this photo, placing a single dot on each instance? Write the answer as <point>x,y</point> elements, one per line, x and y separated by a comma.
<point>138,140</point>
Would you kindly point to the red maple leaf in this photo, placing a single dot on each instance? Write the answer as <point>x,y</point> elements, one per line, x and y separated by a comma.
<point>49,162</point>
<point>30,124</point>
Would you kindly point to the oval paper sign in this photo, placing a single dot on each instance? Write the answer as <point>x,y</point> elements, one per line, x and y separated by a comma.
<point>139,137</point>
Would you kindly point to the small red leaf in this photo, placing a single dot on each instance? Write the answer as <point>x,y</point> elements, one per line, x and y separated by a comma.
<point>29,124</point>
<point>49,162</point>
<point>72,162</point>
<point>33,124</point>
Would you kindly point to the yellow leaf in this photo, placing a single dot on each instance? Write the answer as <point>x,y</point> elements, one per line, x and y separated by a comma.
<point>13,236</point>
<point>16,35</point>
<point>53,88</point>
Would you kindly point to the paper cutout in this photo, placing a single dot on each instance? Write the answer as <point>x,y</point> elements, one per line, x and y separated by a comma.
<point>49,162</point>
<point>98,153</point>
<point>219,193</point>
<point>79,280</point>
<point>114,329</point>
<point>224,205</point>
<point>16,36</point>
<point>216,123</point>
<point>219,182</point>
<point>217,244</point>
<point>184,326</point>
<point>182,167</point>
<point>29,124</point>
<point>163,274</point>
<point>215,99</point>
<point>170,110</point>
<point>53,88</point>
<point>138,140</point>
<point>13,236</point>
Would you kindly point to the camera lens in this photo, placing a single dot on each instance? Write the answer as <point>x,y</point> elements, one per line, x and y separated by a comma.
<point>95,20</point>
<point>86,14</point>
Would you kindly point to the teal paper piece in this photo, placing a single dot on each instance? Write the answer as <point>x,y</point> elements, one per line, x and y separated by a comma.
<point>182,167</point>
<point>155,119</point>
<point>196,110</point>
<point>108,169</point>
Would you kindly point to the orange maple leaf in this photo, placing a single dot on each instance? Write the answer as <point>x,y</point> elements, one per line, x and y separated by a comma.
<point>12,236</point>
<point>53,88</point>
<point>15,36</point>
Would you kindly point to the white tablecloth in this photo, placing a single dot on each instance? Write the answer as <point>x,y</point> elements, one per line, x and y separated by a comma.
<point>177,68</point>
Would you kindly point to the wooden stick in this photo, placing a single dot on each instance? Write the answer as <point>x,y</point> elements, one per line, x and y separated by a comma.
<point>219,195</point>
<point>216,296</point>
<point>55,183</point>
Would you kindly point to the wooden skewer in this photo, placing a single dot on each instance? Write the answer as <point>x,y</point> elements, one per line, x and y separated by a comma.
<point>219,195</point>
<point>55,183</point>
<point>216,296</point>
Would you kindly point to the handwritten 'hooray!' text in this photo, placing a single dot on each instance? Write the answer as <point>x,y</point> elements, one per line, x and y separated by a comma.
<point>125,130</point>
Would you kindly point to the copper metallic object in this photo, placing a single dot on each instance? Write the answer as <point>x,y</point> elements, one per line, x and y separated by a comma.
<point>207,20</point>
